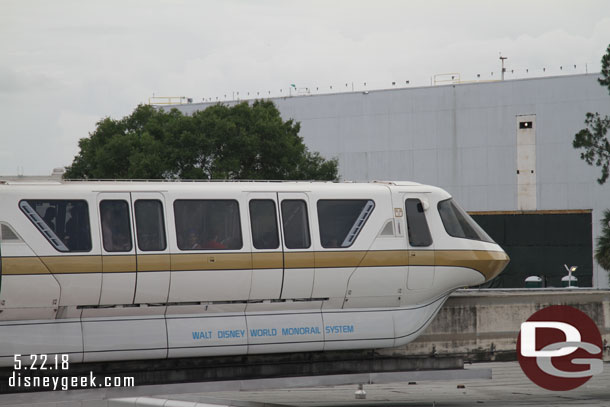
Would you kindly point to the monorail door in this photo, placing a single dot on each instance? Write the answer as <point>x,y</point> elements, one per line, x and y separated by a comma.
<point>420,241</point>
<point>152,249</point>
<point>118,248</point>
<point>267,252</point>
<point>299,262</point>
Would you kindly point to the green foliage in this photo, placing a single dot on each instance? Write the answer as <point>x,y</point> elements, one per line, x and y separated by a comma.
<point>593,138</point>
<point>220,142</point>
<point>595,143</point>
<point>602,250</point>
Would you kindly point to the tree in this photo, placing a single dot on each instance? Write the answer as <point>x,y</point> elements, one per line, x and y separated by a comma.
<point>597,151</point>
<point>220,142</point>
<point>593,138</point>
<point>602,250</point>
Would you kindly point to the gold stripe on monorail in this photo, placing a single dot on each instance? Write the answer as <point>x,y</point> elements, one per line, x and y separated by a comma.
<point>212,261</point>
<point>488,263</point>
<point>154,262</point>
<point>267,260</point>
<point>23,265</point>
<point>299,260</point>
<point>338,259</point>
<point>374,258</point>
<point>386,258</point>
<point>119,264</point>
<point>73,264</point>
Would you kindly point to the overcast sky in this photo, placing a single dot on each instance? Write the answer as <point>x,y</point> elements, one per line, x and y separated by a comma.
<point>64,65</point>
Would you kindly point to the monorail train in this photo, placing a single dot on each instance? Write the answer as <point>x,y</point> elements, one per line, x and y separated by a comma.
<point>106,270</point>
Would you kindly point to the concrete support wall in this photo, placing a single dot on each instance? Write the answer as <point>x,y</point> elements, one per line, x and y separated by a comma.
<point>526,163</point>
<point>484,324</point>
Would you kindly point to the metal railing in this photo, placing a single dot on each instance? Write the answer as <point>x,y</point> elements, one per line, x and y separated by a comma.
<point>442,78</point>
<point>454,78</point>
<point>169,100</point>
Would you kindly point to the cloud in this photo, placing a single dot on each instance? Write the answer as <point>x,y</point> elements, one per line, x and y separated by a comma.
<point>73,126</point>
<point>19,81</point>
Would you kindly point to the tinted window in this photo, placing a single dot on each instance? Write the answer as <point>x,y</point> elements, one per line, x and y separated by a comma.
<point>295,223</point>
<point>150,225</point>
<point>388,229</point>
<point>340,221</point>
<point>525,125</point>
<point>208,224</point>
<point>65,223</point>
<point>263,220</point>
<point>6,233</point>
<point>116,229</point>
<point>459,224</point>
<point>417,227</point>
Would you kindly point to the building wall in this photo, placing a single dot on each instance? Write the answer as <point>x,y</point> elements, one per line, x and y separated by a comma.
<point>541,243</point>
<point>463,138</point>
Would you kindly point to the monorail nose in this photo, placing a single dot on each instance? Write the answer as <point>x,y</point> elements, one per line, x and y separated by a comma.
<point>487,263</point>
<point>490,263</point>
<point>486,256</point>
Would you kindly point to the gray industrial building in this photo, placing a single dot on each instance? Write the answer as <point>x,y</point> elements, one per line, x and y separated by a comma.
<point>502,149</point>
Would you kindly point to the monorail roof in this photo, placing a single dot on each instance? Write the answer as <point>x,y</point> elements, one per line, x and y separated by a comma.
<point>159,185</point>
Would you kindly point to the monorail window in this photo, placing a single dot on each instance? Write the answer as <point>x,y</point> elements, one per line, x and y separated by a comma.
<point>296,224</point>
<point>64,223</point>
<point>458,223</point>
<point>8,234</point>
<point>341,220</point>
<point>263,221</point>
<point>116,229</point>
<point>417,226</point>
<point>208,224</point>
<point>150,225</point>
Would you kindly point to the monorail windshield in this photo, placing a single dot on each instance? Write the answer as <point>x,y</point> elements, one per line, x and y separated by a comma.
<point>458,223</point>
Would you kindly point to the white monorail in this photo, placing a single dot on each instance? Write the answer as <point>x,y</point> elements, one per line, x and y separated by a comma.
<point>133,270</point>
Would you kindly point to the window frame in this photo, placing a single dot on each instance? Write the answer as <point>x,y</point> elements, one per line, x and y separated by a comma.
<point>129,221</point>
<point>423,212</point>
<point>277,228</point>
<point>16,239</point>
<point>368,215</point>
<point>474,228</point>
<point>164,231</point>
<point>307,223</point>
<point>58,238</point>
<point>241,231</point>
